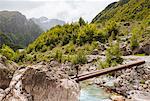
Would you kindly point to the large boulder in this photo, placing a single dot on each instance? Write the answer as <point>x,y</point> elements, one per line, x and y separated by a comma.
<point>7,68</point>
<point>41,82</point>
<point>138,50</point>
<point>144,48</point>
<point>125,48</point>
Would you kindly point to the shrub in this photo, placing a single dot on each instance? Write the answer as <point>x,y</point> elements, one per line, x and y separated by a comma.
<point>88,47</point>
<point>103,64</point>
<point>113,56</point>
<point>70,48</point>
<point>95,44</point>
<point>142,81</point>
<point>136,37</point>
<point>40,57</point>
<point>20,56</point>
<point>111,29</point>
<point>44,48</point>
<point>58,55</point>
<point>79,58</point>
<point>134,42</point>
<point>8,52</point>
<point>88,34</point>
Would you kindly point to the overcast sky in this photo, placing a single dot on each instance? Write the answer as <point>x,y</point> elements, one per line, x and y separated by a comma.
<point>67,10</point>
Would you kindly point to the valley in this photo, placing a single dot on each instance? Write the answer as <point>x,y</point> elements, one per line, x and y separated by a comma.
<point>39,56</point>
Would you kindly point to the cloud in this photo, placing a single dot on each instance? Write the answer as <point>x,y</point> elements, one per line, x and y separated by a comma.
<point>19,5</point>
<point>67,10</point>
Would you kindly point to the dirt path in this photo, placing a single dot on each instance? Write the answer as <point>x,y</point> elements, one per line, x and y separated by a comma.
<point>146,58</point>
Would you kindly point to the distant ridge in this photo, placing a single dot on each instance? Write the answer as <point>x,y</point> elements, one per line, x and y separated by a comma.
<point>46,23</point>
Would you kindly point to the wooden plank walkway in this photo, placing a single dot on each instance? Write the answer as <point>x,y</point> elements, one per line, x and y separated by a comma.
<point>106,71</point>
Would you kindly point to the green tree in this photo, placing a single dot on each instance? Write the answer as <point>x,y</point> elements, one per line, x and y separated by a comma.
<point>136,36</point>
<point>111,29</point>
<point>81,21</point>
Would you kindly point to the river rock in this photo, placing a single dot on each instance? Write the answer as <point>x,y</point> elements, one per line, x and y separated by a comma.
<point>101,47</point>
<point>95,52</point>
<point>141,96</point>
<point>146,48</point>
<point>117,98</point>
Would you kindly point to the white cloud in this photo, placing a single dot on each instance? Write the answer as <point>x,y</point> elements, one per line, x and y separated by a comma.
<point>67,10</point>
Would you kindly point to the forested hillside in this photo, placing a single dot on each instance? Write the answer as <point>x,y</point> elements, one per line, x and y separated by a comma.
<point>120,29</point>
<point>125,10</point>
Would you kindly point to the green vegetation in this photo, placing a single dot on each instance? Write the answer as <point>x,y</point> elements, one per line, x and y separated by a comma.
<point>125,22</point>
<point>113,56</point>
<point>70,42</point>
<point>68,36</point>
<point>16,31</point>
<point>81,21</point>
<point>142,82</point>
<point>140,55</point>
<point>8,52</point>
<point>58,55</point>
<point>79,58</point>
<point>124,10</point>
<point>4,39</point>
<point>134,41</point>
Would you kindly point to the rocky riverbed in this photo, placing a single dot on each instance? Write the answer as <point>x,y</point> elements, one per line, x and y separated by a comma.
<point>51,81</point>
<point>133,83</point>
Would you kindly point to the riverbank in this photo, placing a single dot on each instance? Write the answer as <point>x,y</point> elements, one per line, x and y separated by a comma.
<point>131,83</point>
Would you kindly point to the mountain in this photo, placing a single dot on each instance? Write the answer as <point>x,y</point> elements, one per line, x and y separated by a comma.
<point>125,10</point>
<point>46,23</point>
<point>17,28</point>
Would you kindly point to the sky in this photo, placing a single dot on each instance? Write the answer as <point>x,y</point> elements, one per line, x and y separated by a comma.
<point>66,10</point>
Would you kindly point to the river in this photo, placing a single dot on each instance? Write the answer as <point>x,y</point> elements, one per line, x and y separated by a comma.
<point>93,93</point>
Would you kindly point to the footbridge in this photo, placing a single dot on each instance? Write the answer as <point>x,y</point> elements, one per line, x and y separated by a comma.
<point>97,73</point>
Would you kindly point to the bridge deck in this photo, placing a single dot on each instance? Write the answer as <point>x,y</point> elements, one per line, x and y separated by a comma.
<point>106,71</point>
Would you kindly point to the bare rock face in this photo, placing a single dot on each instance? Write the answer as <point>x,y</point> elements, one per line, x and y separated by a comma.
<point>7,69</point>
<point>41,82</point>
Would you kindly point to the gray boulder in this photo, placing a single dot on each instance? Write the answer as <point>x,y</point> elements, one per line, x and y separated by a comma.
<point>41,82</point>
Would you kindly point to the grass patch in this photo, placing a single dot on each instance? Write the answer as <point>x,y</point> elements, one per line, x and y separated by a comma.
<point>140,54</point>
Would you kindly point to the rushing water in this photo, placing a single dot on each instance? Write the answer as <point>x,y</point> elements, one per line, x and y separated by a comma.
<point>93,93</point>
